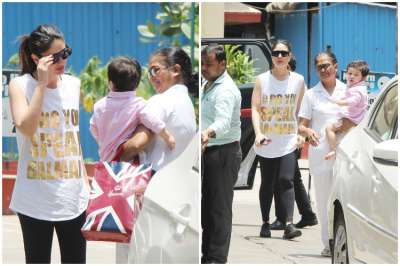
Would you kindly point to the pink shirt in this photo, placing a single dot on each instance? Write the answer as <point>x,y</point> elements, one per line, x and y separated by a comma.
<point>115,118</point>
<point>357,100</point>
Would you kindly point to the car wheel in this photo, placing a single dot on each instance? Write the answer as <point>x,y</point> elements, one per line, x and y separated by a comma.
<point>340,247</point>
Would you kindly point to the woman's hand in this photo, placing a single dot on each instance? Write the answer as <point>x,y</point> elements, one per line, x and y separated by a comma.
<point>300,141</point>
<point>261,140</point>
<point>43,70</point>
<point>313,137</point>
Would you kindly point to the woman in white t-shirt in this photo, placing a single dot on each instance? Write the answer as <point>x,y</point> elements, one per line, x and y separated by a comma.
<point>51,190</point>
<point>275,103</point>
<point>316,113</point>
<point>170,72</point>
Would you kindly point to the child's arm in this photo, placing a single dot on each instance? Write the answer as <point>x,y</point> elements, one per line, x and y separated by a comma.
<point>93,128</point>
<point>168,138</point>
<point>340,102</point>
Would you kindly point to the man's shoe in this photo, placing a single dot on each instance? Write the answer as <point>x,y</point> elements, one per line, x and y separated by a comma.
<point>277,225</point>
<point>326,252</point>
<point>265,230</point>
<point>307,222</point>
<point>291,232</point>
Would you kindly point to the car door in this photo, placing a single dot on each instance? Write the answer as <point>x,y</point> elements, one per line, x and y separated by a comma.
<point>167,229</point>
<point>354,188</point>
<point>259,51</point>
<point>382,214</point>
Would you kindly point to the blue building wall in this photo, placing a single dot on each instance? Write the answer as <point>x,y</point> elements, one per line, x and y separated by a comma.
<point>353,30</point>
<point>360,31</point>
<point>102,29</point>
<point>293,27</point>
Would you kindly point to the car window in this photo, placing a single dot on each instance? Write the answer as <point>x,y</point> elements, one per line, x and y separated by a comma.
<point>245,61</point>
<point>384,122</point>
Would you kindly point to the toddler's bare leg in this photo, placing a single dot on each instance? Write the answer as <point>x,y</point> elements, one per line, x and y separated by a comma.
<point>330,132</point>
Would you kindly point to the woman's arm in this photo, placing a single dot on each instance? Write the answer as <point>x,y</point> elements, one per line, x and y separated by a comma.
<point>307,132</point>
<point>255,112</point>
<point>301,94</point>
<point>26,116</point>
<point>137,143</point>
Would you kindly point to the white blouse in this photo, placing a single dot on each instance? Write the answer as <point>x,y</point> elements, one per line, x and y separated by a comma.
<point>175,108</point>
<point>321,112</point>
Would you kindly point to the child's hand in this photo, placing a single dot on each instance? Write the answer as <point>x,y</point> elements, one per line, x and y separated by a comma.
<point>171,142</point>
<point>331,99</point>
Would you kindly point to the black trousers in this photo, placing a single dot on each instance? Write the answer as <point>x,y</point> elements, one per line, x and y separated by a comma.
<point>301,197</point>
<point>221,167</point>
<point>277,174</point>
<point>38,237</point>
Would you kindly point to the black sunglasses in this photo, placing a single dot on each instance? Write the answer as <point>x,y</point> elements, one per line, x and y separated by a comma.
<point>63,54</point>
<point>277,53</point>
<point>323,66</point>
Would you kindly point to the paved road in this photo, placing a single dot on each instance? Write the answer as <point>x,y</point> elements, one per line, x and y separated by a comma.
<point>248,247</point>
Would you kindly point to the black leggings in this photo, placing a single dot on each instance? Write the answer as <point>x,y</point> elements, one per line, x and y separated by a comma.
<point>277,174</point>
<point>38,237</point>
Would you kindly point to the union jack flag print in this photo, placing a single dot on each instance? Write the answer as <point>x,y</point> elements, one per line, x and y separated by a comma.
<point>116,198</point>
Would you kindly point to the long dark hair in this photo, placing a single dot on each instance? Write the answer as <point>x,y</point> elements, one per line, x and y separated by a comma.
<point>176,55</point>
<point>38,42</point>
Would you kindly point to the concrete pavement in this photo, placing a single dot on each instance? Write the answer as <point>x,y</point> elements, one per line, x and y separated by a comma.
<point>246,245</point>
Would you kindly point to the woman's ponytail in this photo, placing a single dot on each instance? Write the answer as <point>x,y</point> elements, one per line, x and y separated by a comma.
<point>193,84</point>
<point>26,62</point>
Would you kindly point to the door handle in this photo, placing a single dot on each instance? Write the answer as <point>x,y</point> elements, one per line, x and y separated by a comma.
<point>351,166</point>
<point>354,155</point>
<point>181,218</point>
<point>376,180</point>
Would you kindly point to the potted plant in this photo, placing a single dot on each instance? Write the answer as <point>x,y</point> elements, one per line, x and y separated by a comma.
<point>10,163</point>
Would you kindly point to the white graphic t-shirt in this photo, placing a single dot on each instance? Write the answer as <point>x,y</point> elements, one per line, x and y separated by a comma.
<point>50,182</point>
<point>278,120</point>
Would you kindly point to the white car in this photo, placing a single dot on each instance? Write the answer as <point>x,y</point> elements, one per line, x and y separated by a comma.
<point>167,230</point>
<point>363,204</point>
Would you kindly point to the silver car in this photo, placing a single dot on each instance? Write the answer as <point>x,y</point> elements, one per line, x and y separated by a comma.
<point>167,230</point>
<point>363,204</point>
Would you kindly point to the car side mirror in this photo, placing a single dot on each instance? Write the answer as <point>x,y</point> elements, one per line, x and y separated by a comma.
<point>386,152</point>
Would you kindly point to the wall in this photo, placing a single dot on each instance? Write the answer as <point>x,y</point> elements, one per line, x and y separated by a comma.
<point>353,30</point>
<point>212,19</point>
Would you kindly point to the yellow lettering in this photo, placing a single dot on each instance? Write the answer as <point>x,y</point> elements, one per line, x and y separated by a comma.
<point>34,146</point>
<point>67,116</point>
<point>54,120</point>
<point>75,117</point>
<point>32,170</point>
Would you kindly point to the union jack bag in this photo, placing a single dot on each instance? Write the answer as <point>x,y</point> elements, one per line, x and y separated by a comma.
<point>116,198</point>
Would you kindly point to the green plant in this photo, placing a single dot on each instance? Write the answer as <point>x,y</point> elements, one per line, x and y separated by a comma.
<point>93,83</point>
<point>178,21</point>
<point>240,67</point>
<point>13,61</point>
<point>10,156</point>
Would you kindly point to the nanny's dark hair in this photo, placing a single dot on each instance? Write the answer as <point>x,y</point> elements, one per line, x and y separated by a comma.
<point>37,42</point>
<point>177,56</point>
<point>125,73</point>
<point>328,53</point>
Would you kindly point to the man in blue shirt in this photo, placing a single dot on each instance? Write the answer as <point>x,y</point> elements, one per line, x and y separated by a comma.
<point>220,127</point>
